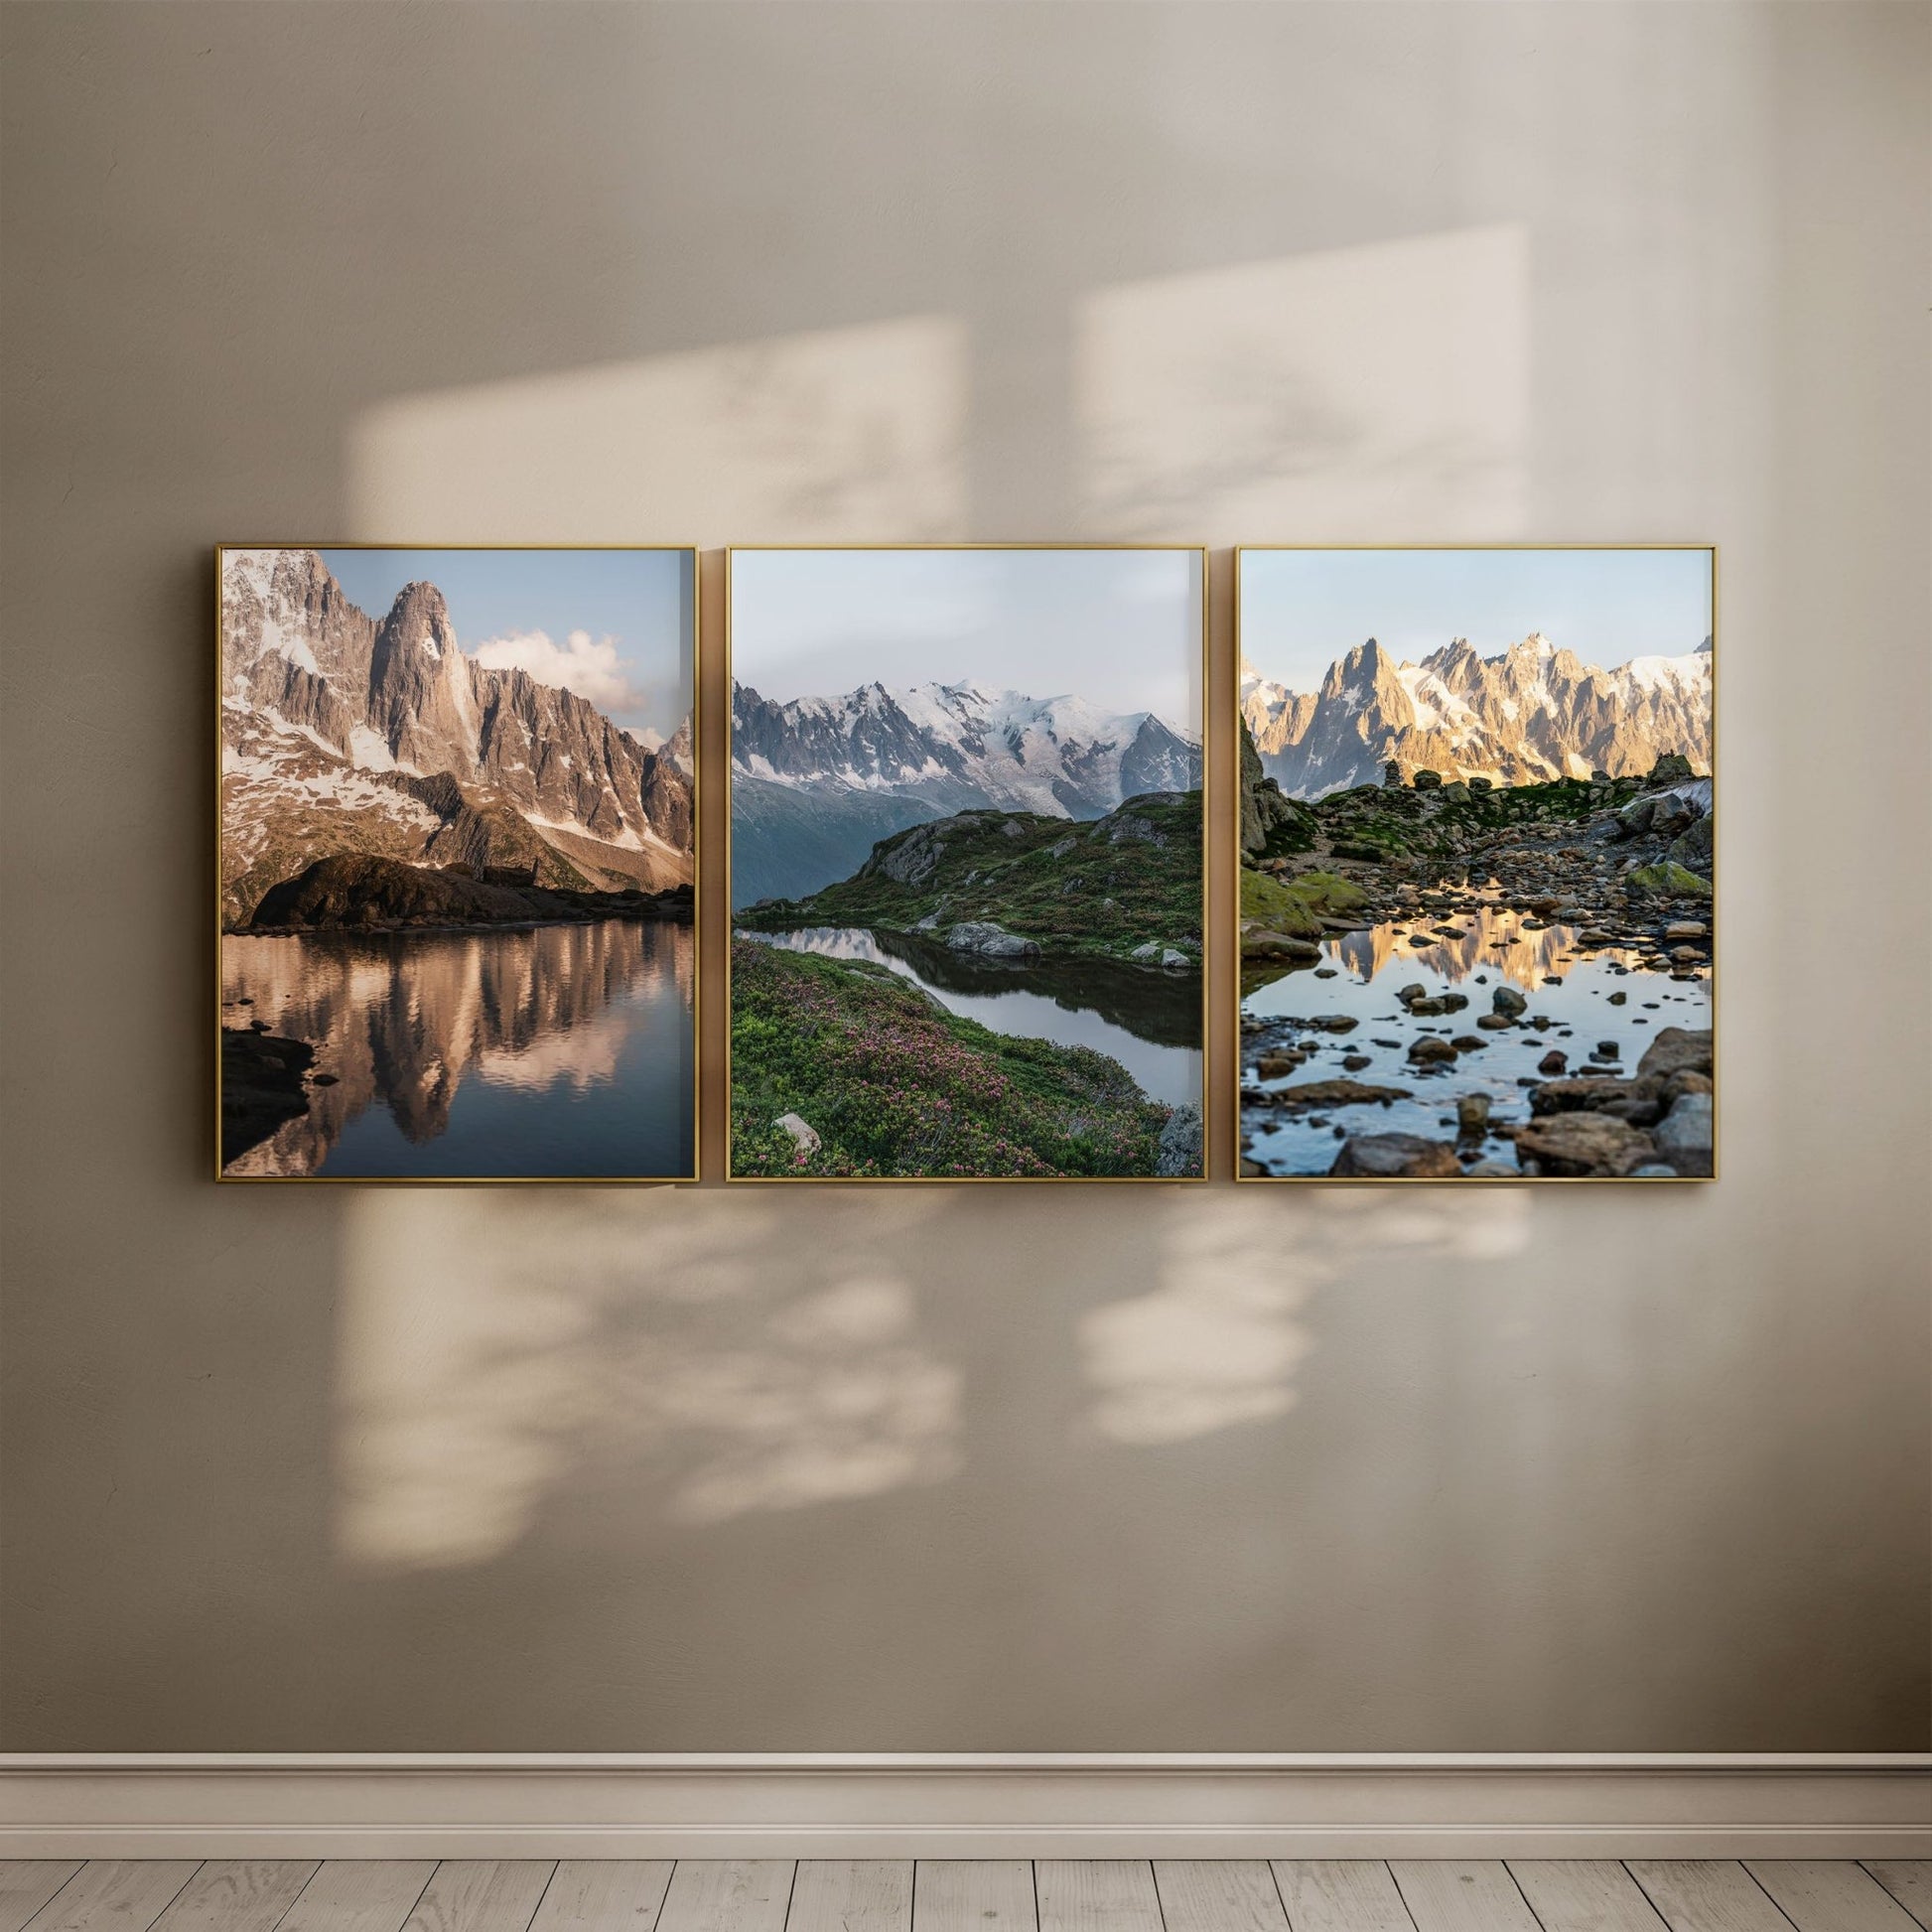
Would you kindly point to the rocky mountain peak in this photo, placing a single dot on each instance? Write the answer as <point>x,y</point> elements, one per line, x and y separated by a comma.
<point>1357,670</point>
<point>1532,712</point>
<point>392,730</point>
<point>1457,665</point>
<point>420,616</point>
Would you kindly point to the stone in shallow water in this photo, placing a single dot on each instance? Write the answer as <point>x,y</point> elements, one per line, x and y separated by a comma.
<point>1677,1049</point>
<point>1395,1156</point>
<point>992,941</point>
<point>1336,1093</point>
<point>1585,1145</point>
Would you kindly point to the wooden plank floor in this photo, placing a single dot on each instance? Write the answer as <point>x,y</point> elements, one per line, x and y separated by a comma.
<point>965,1896</point>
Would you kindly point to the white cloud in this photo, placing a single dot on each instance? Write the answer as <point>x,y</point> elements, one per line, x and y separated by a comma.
<point>587,665</point>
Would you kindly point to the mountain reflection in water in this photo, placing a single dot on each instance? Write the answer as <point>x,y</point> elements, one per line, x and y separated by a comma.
<point>547,1052</point>
<point>1147,1018</point>
<point>1584,996</point>
<point>1494,941</point>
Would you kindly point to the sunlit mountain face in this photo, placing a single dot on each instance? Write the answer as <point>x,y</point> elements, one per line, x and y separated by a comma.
<point>1532,713</point>
<point>345,733</point>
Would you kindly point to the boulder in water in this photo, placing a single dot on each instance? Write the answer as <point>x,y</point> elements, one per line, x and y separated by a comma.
<point>991,941</point>
<point>1395,1156</point>
<point>1585,1145</point>
<point>1678,1049</point>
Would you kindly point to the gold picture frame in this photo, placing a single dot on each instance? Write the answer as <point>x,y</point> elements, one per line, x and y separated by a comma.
<point>693,554</point>
<point>1202,553</point>
<point>1232,699</point>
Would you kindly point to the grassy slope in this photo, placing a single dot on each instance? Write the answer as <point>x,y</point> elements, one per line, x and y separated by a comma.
<point>893,1084</point>
<point>1373,822</point>
<point>1076,887</point>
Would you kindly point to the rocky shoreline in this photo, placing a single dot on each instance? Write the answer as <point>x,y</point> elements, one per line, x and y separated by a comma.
<point>264,1083</point>
<point>1608,876</point>
<point>362,893</point>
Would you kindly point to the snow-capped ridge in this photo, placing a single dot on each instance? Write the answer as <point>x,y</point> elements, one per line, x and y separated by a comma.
<point>1064,754</point>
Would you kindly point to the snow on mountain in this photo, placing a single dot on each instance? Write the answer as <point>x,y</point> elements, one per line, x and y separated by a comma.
<point>1533,712</point>
<point>818,780</point>
<point>1062,755</point>
<point>342,732</point>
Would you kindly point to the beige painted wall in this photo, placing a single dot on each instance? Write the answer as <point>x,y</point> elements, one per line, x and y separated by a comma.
<point>1302,1471</point>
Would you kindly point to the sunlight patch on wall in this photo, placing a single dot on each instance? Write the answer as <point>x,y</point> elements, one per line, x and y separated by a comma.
<point>634,1352</point>
<point>834,434</point>
<point>1218,1344</point>
<point>1374,393</point>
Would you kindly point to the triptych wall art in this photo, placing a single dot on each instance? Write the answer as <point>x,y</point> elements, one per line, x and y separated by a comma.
<point>1470,839</point>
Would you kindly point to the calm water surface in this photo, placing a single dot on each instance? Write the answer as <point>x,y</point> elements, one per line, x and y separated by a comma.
<point>552,1052</point>
<point>1150,1021</point>
<point>1369,967</point>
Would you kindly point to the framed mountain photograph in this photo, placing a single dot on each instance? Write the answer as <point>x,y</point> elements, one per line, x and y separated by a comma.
<point>1477,847</point>
<point>455,863</point>
<point>966,863</point>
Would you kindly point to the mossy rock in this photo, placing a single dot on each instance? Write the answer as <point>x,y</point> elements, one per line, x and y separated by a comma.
<point>1296,906</point>
<point>1669,880</point>
<point>1328,891</point>
<point>1274,906</point>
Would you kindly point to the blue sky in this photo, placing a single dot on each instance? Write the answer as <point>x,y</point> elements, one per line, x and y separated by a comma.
<point>613,626</point>
<point>1119,627</point>
<point>1301,609</point>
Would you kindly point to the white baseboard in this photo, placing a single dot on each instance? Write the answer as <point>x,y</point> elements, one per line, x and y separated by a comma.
<point>962,1806</point>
